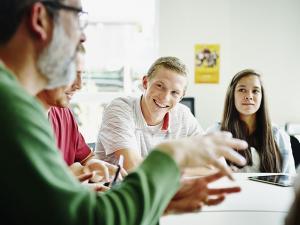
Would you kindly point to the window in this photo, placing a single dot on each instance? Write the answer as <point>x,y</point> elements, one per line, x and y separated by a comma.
<point>121,45</point>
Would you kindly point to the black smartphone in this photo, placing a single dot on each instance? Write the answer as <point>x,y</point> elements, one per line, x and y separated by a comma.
<point>281,180</point>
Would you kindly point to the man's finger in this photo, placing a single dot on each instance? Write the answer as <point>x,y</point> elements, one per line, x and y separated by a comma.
<point>232,143</point>
<point>100,188</point>
<point>186,205</point>
<point>105,172</point>
<point>232,155</point>
<point>215,201</point>
<point>213,177</point>
<point>99,168</point>
<point>223,168</point>
<point>226,134</point>
<point>220,191</point>
<point>85,177</point>
<point>123,172</point>
<point>111,168</point>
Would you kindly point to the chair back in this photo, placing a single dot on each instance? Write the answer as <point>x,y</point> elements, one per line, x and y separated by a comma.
<point>296,149</point>
<point>92,145</point>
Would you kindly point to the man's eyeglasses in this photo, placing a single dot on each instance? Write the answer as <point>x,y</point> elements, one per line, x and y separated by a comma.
<point>82,15</point>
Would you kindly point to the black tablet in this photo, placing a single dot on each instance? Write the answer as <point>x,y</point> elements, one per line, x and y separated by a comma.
<point>281,180</point>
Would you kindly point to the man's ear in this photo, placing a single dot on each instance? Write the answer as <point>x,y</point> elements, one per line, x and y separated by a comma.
<point>40,21</point>
<point>182,96</point>
<point>145,82</point>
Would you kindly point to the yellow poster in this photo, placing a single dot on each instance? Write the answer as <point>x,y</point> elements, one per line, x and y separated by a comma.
<point>207,63</point>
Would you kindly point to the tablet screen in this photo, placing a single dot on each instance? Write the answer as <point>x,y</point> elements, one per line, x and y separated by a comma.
<point>282,180</point>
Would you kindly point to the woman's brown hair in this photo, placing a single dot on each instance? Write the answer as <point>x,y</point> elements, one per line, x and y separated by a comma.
<point>262,138</point>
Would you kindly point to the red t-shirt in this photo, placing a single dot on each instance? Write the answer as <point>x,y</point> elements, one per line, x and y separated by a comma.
<point>68,138</point>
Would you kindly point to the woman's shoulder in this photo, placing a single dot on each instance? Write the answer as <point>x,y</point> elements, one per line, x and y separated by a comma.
<point>275,128</point>
<point>278,132</point>
<point>280,136</point>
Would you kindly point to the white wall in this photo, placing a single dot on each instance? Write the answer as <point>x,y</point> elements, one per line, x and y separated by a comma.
<point>259,34</point>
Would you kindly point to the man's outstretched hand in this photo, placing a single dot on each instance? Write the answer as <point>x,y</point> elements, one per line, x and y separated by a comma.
<point>195,193</point>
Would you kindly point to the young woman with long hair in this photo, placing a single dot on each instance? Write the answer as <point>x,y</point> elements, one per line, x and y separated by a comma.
<point>246,116</point>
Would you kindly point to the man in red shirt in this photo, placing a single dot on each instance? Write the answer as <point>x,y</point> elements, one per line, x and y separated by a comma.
<point>69,140</point>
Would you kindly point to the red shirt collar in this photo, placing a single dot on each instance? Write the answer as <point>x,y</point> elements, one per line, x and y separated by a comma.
<point>165,125</point>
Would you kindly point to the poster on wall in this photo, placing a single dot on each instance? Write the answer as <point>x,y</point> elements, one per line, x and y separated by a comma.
<point>207,63</point>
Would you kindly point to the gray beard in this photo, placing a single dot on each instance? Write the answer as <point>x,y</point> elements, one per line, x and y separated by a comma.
<point>57,61</point>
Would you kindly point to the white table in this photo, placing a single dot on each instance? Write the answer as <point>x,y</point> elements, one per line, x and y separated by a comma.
<point>257,204</point>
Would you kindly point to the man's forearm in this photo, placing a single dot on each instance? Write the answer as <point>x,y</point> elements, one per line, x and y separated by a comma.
<point>131,158</point>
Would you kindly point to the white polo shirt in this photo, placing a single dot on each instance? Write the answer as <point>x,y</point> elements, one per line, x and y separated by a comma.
<point>124,127</point>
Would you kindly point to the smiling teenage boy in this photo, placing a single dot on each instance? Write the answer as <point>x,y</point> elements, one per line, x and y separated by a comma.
<point>132,126</point>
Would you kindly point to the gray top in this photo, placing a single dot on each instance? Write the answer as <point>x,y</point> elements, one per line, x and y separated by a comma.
<point>283,141</point>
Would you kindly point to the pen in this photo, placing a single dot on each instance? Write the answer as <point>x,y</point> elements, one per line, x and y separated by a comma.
<point>120,165</point>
